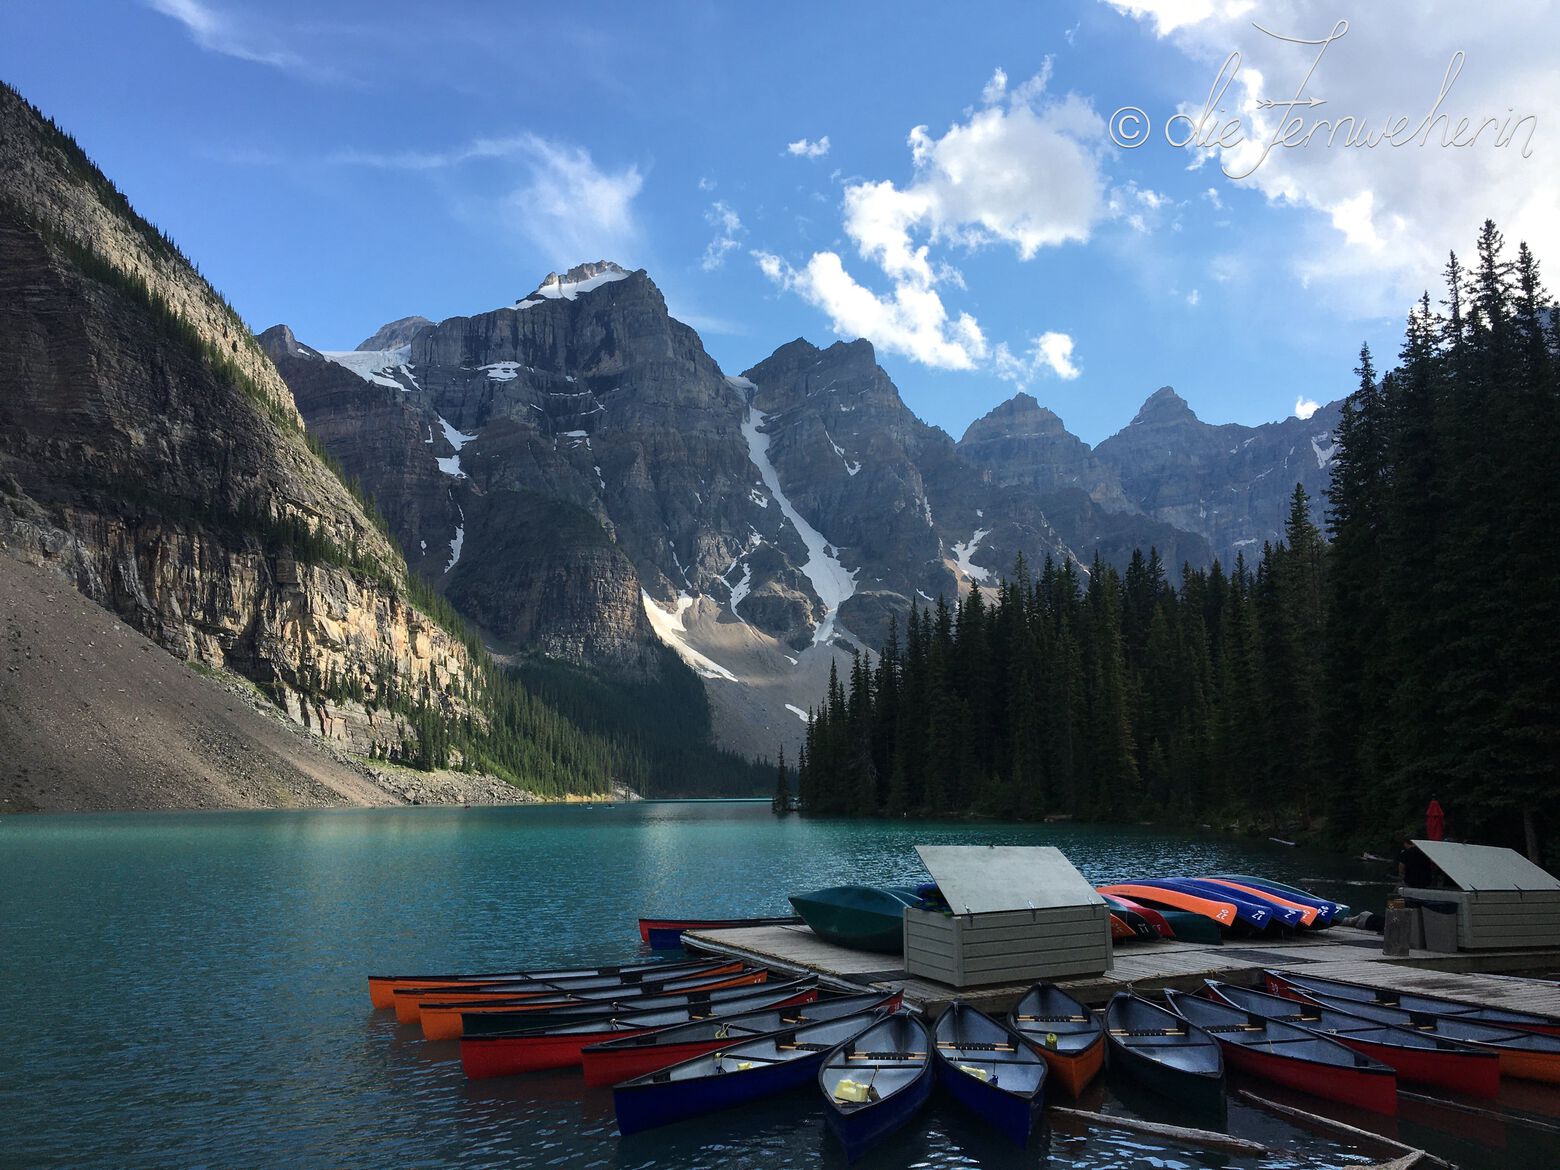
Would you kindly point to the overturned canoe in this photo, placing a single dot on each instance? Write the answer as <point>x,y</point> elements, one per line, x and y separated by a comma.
<point>863,918</point>
<point>1291,1055</point>
<point>874,1084</point>
<point>1068,1036</point>
<point>666,933</point>
<point>1216,910</point>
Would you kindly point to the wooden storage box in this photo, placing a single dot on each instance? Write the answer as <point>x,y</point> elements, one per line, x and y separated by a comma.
<point>1504,901</point>
<point>1024,913</point>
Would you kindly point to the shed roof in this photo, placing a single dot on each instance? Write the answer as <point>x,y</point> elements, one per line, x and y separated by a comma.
<point>980,879</point>
<point>1486,867</point>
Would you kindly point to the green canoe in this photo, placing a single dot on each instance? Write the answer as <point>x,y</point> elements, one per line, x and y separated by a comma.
<point>863,918</point>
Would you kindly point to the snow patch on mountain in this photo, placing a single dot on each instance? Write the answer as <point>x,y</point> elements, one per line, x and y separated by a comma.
<point>376,366</point>
<point>582,278</point>
<point>450,464</point>
<point>964,550</point>
<point>1324,454</point>
<point>831,581</point>
<point>671,629</point>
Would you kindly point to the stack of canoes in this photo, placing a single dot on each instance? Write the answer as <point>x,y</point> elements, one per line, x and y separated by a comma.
<point>1204,909</point>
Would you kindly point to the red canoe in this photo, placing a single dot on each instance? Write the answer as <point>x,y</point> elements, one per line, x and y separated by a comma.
<point>560,1047</point>
<point>1425,1060</point>
<point>382,988</point>
<point>1288,1054</point>
<point>646,925</point>
<point>1279,983</point>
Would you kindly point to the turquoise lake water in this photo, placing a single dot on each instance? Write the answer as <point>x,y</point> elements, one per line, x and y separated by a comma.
<point>187,989</point>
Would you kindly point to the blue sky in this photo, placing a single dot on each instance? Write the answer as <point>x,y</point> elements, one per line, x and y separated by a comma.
<point>337,163</point>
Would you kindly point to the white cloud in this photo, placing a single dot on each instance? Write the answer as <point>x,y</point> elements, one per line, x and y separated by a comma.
<point>913,321</point>
<point>706,183</point>
<point>1022,172</point>
<point>1212,196</point>
<point>573,210</point>
<point>728,232</point>
<point>219,31</point>
<point>1305,408</point>
<point>804,148</point>
<point>1049,353</point>
<point>1194,298</point>
<point>1376,222</point>
<point>570,208</point>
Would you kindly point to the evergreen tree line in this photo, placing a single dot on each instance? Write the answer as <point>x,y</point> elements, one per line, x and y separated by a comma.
<point>1339,683</point>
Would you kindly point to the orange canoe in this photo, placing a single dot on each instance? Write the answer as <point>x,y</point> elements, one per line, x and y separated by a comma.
<point>444,1021</point>
<point>1221,912</point>
<point>382,988</point>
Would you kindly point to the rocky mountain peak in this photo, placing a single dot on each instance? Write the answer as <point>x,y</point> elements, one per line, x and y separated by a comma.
<point>579,279</point>
<point>395,334</point>
<point>1020,415</point>
<point>1164,406</point>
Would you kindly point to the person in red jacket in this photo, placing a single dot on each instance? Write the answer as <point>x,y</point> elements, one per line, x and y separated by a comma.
<point>1435,821</point>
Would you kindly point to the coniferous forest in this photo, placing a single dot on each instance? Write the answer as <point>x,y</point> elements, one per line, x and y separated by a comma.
<point>1338,683</point>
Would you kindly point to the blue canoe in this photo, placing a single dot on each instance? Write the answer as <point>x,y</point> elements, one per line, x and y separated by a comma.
<point>1329,909</point>
<point>876,1082</point>
<point>990,1070</point>
<point>745,1071</point>
<point>1249,911</point>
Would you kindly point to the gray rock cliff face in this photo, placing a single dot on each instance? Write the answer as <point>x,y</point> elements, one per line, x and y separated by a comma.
<point>1230,484</point>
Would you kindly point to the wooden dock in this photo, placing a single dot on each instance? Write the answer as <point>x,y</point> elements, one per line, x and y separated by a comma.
<point>1339,953</point>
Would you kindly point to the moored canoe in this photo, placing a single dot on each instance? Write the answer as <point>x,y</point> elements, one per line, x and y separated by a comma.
<point>874,1084</point>
<point>1424,1060</point>
<point>560,1045</point>
<point>441,1021</point>
<point>743,1072</point>
<point>1166,1053</point>
<point>1527,1055</point>
<point>408,1001</point>
<point>609,1062</point>
<point>382,988</point>
<point>1067,1035</point>
<point>990,1070</point>
<point>528,1020</point>
<point>1291,1055</point>
<point>1500,1017</point>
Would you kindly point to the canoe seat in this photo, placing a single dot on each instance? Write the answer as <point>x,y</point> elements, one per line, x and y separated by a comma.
<point>972,1046</point>
<point>806,1047</point>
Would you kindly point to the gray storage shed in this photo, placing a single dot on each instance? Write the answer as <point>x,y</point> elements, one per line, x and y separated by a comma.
<point>1503,899</point>
<point>1021,913</point>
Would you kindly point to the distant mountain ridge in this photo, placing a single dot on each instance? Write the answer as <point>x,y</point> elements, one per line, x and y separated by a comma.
<point>581,478</point>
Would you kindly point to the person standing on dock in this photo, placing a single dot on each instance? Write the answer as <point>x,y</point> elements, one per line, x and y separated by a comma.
<point>1435,821</point>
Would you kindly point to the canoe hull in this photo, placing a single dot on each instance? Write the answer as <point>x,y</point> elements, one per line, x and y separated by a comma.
<point>484,1057</point>
<point>1376,1091</point>
<point>652,1104</point>
<point>1069,1071</point>
<point>1011,1115</point>
<point>858,1132</point>
<point>1204,1095</point>
<point>861,918</point>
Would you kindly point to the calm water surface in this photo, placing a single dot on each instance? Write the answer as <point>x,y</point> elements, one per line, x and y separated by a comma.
<point>187,990</point>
